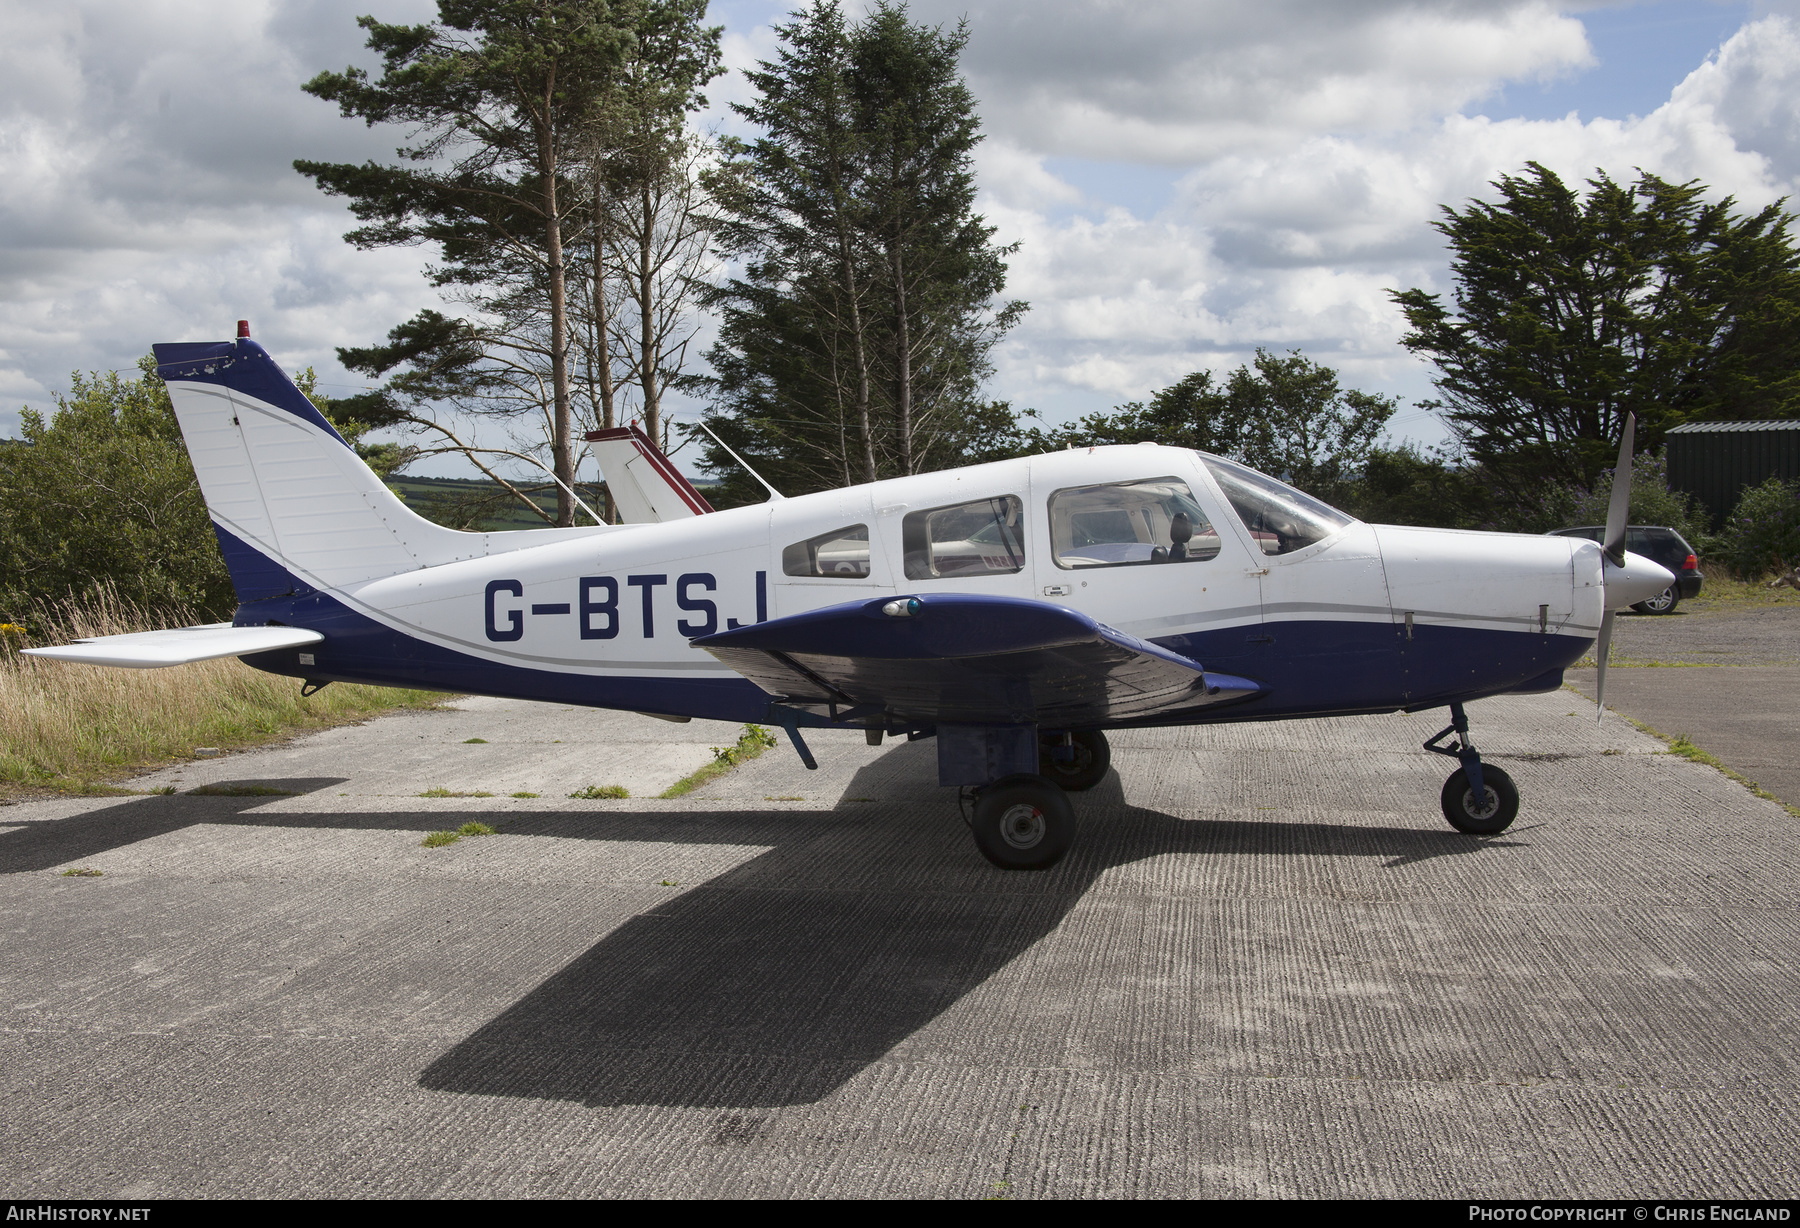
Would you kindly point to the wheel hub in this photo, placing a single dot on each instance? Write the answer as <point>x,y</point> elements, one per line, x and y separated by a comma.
<point>1490,803</point>
<point>1022,826</point>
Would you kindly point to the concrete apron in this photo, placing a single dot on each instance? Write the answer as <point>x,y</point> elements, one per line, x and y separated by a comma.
<point>1269,967</point>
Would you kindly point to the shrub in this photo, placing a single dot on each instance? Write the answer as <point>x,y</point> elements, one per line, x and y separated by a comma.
<point>1762,534</point>
<point>1652,502</point>
<point>101,495</point>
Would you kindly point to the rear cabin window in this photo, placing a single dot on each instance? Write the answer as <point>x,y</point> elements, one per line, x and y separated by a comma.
<point>842,554</point>
<point>984,538</point>
<point>1126,524</point>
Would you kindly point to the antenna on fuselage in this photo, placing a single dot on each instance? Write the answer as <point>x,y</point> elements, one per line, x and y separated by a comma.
<point>773,493</point>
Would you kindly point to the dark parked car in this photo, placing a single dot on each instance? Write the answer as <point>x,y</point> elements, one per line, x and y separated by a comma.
<point>1664,546</point>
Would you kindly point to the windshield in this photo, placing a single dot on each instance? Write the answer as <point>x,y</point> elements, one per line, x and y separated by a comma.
<point>1280,518</point>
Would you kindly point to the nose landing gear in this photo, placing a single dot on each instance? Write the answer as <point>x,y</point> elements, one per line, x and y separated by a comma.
<point>1479,798</point>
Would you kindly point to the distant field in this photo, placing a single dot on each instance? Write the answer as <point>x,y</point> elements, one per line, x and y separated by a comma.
<point>478,504</point>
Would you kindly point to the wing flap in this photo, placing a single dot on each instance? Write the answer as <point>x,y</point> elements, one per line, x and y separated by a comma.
<point>968,659</point>
<point>178,646</point>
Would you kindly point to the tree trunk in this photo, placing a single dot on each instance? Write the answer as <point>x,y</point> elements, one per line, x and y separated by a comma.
<point>561,451</point>
<point>847,260</point>
<point>646,297</point>
<point>603,331</point>
<point>903,425</point>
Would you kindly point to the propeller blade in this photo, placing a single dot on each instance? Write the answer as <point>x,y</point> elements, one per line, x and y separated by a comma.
<point>1602,651</point>
<point>1618,509</point>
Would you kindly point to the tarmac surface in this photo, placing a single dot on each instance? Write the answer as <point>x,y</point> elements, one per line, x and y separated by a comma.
<point>1268,968</point>
<point>1728,679</point>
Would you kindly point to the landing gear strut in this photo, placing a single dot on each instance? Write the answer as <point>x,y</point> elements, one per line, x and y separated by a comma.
<point>1077,761</point>
<point>1022,820</point>
<point>1479,798</point>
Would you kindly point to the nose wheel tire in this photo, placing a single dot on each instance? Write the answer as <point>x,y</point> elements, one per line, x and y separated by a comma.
<point>1093,756</point>
<point>1492,814</point>
<point>1023,822</point>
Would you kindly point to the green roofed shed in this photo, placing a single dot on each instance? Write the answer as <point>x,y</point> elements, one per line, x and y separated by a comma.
<point>1716,461</point>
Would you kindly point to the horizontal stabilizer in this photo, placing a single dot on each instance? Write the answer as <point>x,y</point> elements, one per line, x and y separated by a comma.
<point>156,649</point>
<point>960,658</point>
<point>646,487</point>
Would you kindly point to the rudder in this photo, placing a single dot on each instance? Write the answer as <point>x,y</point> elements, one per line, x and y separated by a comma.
<point>291,501</point>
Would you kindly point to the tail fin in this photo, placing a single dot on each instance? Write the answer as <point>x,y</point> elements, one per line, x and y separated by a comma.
<point>646,487</point>
<point>293,505</point>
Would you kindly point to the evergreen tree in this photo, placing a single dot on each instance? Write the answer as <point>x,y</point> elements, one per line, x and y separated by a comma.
<point>854,339</point>
<point>498,94</point>
<point>650,232</point>
<point>1571,312</point>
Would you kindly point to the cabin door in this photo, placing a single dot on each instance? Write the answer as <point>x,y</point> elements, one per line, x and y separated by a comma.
<point>1151,556</point>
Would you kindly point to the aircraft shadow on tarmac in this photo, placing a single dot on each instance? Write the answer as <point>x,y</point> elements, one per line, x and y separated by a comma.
<point>776,982</point>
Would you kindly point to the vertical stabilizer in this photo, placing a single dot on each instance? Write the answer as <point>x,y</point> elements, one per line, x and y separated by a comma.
<point>646,487</point>
<point>284,489</point>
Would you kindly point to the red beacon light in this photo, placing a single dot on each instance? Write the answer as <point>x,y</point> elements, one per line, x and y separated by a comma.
<point>244,329</point>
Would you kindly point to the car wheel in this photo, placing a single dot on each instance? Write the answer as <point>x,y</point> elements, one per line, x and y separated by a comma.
<point>1663,603</point>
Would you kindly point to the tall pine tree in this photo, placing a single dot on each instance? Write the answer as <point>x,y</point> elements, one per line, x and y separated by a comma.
<point>854,340</point>
<point>499,94</point>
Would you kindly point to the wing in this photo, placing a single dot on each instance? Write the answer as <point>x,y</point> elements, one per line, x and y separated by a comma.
<point>156,649</point>
<point>954,657</point>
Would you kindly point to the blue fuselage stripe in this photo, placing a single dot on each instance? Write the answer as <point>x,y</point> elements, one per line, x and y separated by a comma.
<point>1310,668</point>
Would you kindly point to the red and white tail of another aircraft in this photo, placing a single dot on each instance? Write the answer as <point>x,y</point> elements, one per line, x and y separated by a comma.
<point>646,486</point>
<point>1014,611</point>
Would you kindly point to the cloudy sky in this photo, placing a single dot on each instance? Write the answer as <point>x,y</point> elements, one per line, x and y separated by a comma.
<point>1188,180</point>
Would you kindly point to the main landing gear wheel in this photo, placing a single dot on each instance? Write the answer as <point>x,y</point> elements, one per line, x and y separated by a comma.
<point>1023,822</point>
<point>1093,756</point>
<point>1498,807</point>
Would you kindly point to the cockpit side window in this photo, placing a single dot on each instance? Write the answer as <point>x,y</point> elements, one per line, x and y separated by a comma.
<point>842,554</point>
<point>1280,518</point>
<point>1124,524</point>
<point>984,538</point>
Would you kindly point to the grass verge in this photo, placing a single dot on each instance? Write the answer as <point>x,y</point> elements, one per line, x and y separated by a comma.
<point>1681,745</point>
<point>67,728</point>
<point>1588,662</point>
<point>751,743</point>
<point>1721,592</point>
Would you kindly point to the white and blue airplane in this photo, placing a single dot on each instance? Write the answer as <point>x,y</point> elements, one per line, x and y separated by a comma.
<point>1015,611</point>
